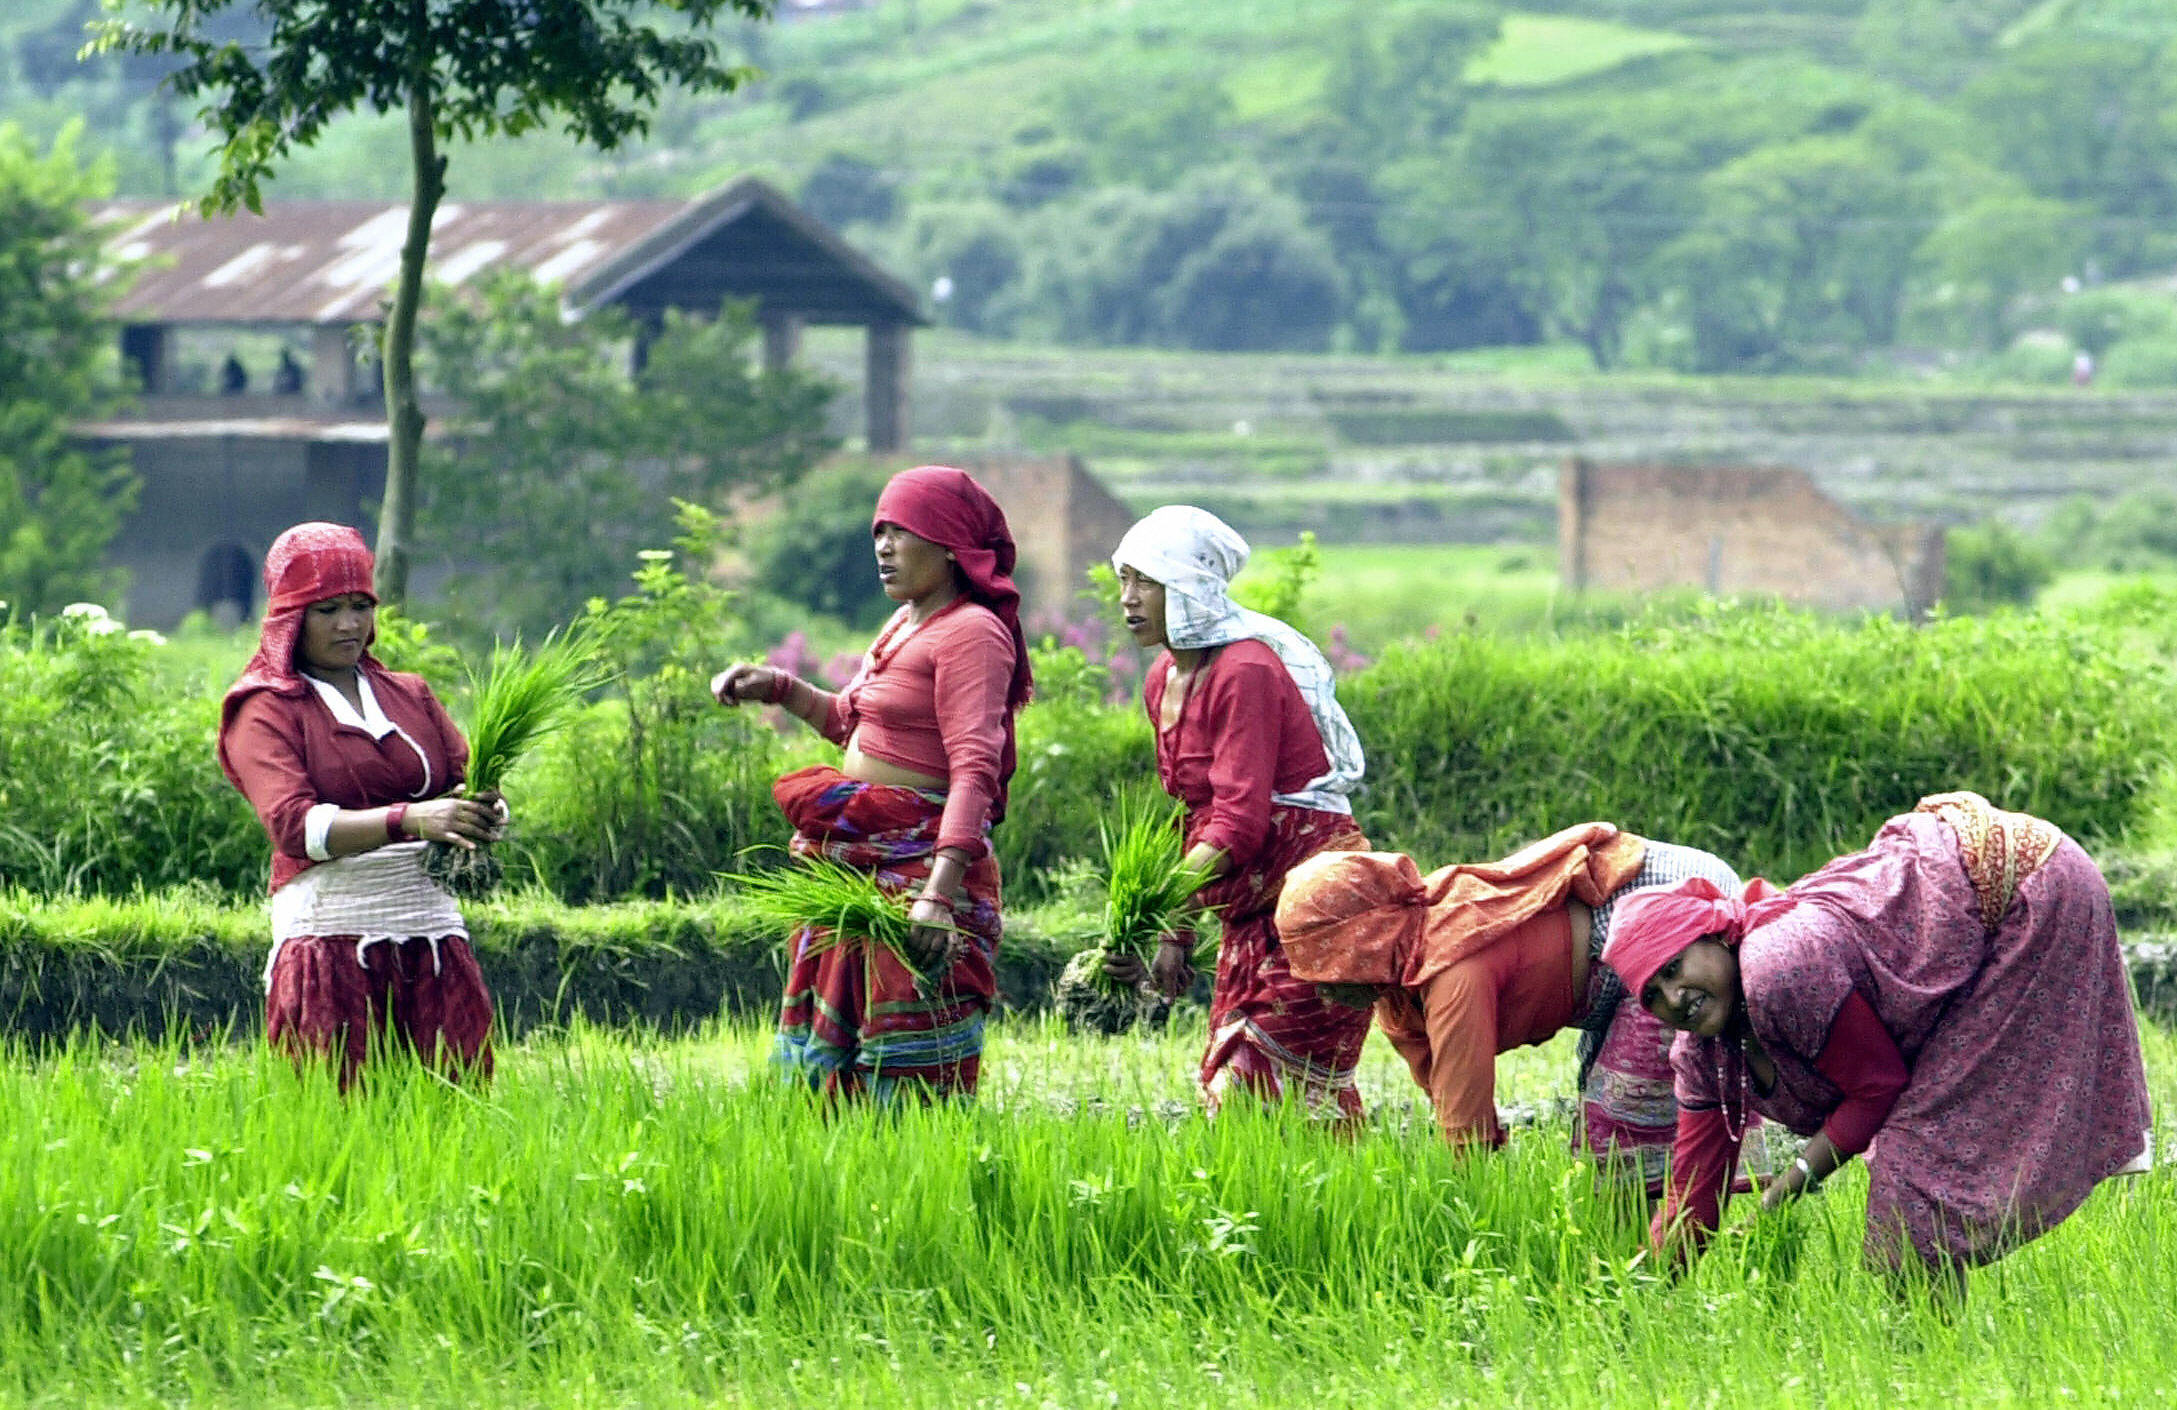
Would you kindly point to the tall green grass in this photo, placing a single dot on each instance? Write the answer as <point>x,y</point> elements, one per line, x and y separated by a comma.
<point>613,1222</point>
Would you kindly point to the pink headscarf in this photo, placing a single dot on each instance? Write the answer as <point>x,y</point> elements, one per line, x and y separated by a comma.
<point>1654,926</point>
<point>307,564</point>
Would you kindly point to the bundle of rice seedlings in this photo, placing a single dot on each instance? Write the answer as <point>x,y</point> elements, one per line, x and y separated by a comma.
<point>523,696</point>
<point>842,903</point>
<point>1150,887</point>
<point>1090,1002</point>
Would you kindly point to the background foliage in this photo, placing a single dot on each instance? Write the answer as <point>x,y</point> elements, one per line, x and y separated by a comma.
<point>1775,738</point>
<point>563,462</point>
<point>61,501</point>
<point>1729,184</point>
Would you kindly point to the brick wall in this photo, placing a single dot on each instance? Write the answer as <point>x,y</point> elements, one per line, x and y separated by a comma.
<point>1731,530</point>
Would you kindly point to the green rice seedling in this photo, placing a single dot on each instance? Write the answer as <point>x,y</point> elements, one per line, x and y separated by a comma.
<point>1149,894</point>
<point>523,696</point>
<point>1151,887</point>
<point>843,904</point>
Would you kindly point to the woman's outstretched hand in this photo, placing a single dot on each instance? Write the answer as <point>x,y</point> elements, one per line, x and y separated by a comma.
<point>745,681</point>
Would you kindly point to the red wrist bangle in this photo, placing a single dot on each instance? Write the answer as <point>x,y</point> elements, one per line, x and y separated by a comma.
<point>395,815</point>
<point>782,685</point>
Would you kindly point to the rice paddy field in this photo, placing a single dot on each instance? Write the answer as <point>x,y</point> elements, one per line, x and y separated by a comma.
<point>621,1220</point>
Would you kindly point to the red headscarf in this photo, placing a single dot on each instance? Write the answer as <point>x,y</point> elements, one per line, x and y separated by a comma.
<point>947,507</point>
<point>307,564</point>
<point>1653,927</point>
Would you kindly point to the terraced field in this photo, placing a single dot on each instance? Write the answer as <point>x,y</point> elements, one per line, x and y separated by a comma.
<point>1435,449</point>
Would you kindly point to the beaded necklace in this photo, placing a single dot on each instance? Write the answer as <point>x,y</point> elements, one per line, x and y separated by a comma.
<point>1723,1098</point>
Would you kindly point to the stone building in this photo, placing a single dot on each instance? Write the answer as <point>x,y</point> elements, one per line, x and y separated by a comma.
<point>1640,527</point>
<point>229,462</point>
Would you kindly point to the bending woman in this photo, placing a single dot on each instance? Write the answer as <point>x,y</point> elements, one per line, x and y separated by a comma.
<point>352,769</point>
<point>1250,738</point>
<point>1475,960</point>
<point>1952,1001</point>
<point>927,723</point>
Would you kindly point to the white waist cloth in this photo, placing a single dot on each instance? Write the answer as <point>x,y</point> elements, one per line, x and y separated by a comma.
<point>378,895</point>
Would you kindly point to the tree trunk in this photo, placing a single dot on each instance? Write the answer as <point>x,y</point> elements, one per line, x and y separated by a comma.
<point>404,415</point>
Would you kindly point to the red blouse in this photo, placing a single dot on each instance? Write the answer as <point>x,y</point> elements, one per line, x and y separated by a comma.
<point>1244,733</point>
<point>934,702</point>
<point>290,754</point>
<point>1861,1058</point>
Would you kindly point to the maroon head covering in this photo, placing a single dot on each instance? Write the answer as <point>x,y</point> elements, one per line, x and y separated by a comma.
<point>1654,926</point>
<point>947,507</point>
<point>307,564</point>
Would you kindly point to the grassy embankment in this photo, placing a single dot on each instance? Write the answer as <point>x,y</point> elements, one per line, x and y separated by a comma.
<point>619,1222</point>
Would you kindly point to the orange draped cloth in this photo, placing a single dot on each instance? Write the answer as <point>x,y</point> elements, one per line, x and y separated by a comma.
<point>1372,918</point>
<point>1469,961</point>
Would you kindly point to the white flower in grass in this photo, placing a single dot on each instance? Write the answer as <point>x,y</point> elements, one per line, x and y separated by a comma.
<point>145,634</point>
<point>95,619</point>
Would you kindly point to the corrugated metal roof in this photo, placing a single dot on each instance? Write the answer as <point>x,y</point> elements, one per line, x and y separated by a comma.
<point>273,428</point>
<point>333,262</point>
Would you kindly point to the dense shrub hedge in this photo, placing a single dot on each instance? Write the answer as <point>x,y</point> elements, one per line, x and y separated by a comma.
<point>1775,739</point>
<point>188,962</point>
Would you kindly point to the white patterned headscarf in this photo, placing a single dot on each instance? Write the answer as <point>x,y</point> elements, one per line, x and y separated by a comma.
<point>1195,555</point>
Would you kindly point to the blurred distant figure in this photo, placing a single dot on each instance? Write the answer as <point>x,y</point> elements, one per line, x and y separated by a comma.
<point>233,377</point>
<point>2082,369</point>
<point>287,377</point>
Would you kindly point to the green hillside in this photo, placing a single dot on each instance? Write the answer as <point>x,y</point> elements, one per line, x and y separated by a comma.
<point>1707,185</point>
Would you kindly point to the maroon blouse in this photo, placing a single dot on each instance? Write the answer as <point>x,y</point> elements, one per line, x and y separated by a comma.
<point>1244,733</point>
<point>289,754</point>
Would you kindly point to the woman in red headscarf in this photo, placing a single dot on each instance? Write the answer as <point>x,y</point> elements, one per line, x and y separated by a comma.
<point>927,724</point>
<point>1951,1001</point>
<point>352,769</point>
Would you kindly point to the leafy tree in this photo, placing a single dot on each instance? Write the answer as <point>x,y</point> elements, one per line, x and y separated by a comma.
<point>1933,45</point>
<point>1400,87</point>
<point>1996,249</point>
<point>2094,121</point>
<point>459,69</point>
<point>816,551</point>
<point>60,504</point>
<point>845,188</point>
<point>2099,319</point>
<point>1370,170</point>
<point>1151,129</point>
<point>1220,261</point>
<point>1585,203</point>
<point>977,246</point>
<point>562,467</point>
<point>1992,565</point>
<point>1263,281</point>
<point>1801,245</point>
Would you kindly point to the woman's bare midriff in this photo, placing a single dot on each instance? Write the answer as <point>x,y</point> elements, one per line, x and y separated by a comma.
<point>870,769</point>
